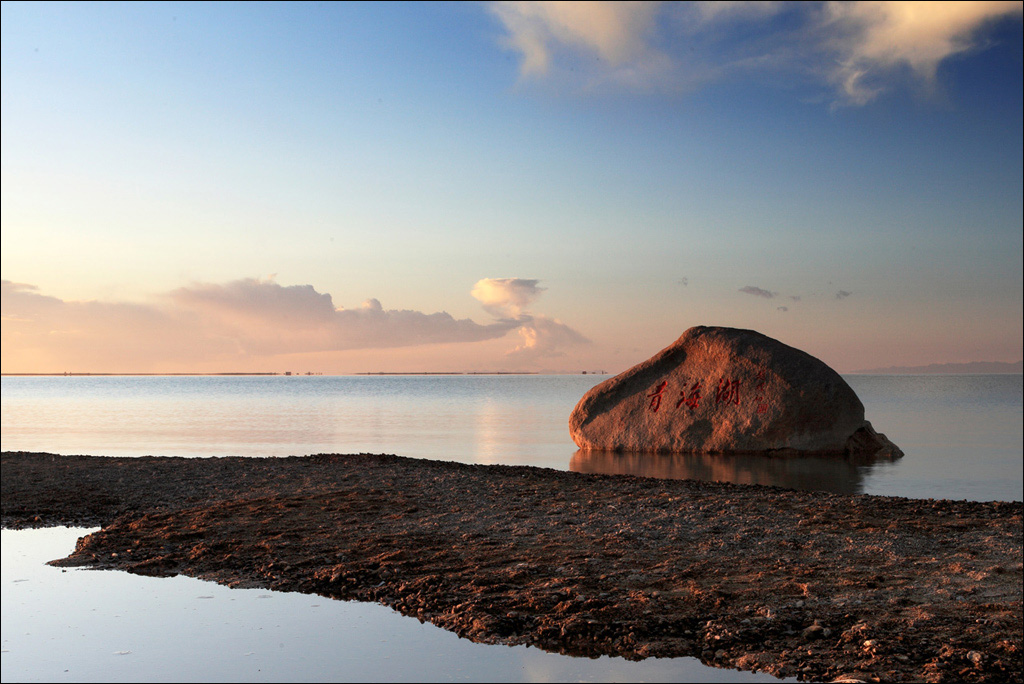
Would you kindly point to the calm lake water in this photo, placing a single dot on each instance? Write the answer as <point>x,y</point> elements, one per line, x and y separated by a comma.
<point>963,437</point>
<point>962,434</point>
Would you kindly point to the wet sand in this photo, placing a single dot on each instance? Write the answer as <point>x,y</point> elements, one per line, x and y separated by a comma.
<point>809,584</point>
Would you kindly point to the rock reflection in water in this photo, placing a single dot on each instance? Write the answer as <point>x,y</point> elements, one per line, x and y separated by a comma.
<point>842,475</point>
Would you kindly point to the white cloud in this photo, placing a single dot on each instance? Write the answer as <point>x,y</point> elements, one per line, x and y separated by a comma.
<point>857,48</point>
<point>599,42</point>
<point>506,298</point>
<point>615,31</point>
<point>877,37</point>
<point>545,337</point>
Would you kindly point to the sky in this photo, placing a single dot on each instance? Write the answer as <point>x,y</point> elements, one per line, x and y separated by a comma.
<point>511,186</point>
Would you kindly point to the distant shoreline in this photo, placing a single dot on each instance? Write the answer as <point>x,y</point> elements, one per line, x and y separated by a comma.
<point>458,373</point>
<point>292,374</point>
<point>34,375</point>
<point>972,368</point>
<point>1014,369</point>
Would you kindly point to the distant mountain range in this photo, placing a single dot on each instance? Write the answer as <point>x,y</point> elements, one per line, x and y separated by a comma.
<point>975,367</point>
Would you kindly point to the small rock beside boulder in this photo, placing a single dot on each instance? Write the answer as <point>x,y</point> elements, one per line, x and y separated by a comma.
<point>727,390</point>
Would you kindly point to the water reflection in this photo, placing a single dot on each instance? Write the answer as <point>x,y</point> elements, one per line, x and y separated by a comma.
<point>87,626</point>
<point>838,474</point>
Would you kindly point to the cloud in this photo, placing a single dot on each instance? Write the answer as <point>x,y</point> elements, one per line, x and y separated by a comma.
<point>224,324</point>
<point>206,321</point>
<point>856,49</point>
<point>875,38</point>
<point>251,299</point>
<point>506,298</point>
<point>757,292</point>
<point>843,294</point>
<point>272,319</point>
<point>545,337</point>
<point>47,334</point>
<point>615,32</point>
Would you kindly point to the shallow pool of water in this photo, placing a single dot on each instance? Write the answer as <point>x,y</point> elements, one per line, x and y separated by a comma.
<point>80,625</point>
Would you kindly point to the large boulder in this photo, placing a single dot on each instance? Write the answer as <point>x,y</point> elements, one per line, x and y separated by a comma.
<point>725,390</point>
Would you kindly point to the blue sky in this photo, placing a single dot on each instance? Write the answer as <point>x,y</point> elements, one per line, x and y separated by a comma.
<point>844,177</point>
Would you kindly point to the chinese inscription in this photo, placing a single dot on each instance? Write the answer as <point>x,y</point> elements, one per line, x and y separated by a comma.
<point>693,400</point>
<point>760,397</point>
<point>728,390</point>
<point>655,396</point>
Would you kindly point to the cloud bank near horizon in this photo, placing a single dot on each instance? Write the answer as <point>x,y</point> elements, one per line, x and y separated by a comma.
<point>246,319</point>
<point>545,337</point>
<point>507,299</point>
<point>857,49</point>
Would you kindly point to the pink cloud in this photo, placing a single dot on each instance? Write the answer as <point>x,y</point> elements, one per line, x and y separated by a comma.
<point>205,322</point>
<point>251,321</point>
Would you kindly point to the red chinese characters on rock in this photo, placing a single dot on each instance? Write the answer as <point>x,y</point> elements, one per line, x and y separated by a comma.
<point>761,398</point>
<point>655,396</point>
<point>692,400</point>
<point>728,392</point>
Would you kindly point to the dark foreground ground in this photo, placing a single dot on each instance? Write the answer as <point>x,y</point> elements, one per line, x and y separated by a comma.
<point>814,585</point>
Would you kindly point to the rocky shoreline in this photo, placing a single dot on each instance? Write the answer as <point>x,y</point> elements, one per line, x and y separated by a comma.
<point>808,584</point>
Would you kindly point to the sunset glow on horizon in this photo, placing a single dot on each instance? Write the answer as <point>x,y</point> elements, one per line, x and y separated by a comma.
<point>510,186</point>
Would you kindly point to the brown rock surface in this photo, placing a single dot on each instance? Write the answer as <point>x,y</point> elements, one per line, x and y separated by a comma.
<point>726,390</point>
<point>803,584</point>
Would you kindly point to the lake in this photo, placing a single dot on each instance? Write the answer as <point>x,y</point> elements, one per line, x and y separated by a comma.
<point>963,437</point>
